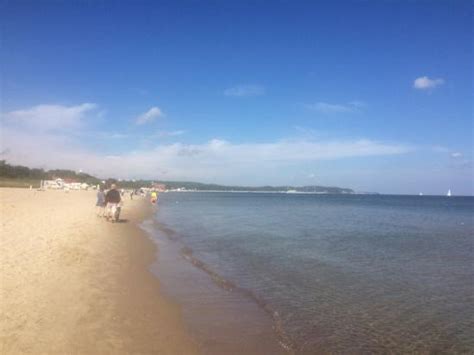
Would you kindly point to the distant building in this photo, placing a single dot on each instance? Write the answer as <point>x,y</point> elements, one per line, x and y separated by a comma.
<point>59,184</point>
<point>56,184</point>
<point>158,187</point>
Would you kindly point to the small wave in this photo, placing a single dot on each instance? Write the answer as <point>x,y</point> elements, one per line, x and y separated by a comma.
<point>187,253</point>
<point>168,232</point>
<point>283,338</point>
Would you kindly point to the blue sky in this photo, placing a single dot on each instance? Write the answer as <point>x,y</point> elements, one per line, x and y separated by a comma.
<point>372,95</point>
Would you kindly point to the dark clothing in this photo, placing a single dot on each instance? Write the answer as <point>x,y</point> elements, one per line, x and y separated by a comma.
<point>112,196</point>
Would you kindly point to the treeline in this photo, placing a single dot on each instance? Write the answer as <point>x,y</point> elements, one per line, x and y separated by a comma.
<point>214,187</point>
<point>22,172</point>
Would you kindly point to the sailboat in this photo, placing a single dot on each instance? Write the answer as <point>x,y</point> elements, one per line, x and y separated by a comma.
<point>449,193</point>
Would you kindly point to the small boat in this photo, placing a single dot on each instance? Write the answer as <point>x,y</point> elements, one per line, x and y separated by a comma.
<point>421,194</point>
<point>449,193</point>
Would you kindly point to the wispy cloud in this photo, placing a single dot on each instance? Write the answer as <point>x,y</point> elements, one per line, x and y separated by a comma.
<point>111,135</point>
<point>164,134</point>
<point>440,149</point>
<point>216,159</point>
<point>330,108</point>
<point>425,83</point>
<point>460,161</point>
<point>245,90</point>
<point>149,116</point>
<point>50,117</point>
<point>447,151</point>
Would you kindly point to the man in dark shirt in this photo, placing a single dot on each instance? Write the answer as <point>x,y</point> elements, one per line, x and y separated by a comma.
<point>112,198</point>
<point>113,195</point>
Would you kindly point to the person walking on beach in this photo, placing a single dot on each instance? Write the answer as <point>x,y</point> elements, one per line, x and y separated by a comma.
<point>154,197</point>
<point>112,199</point>
<point>100,204</point>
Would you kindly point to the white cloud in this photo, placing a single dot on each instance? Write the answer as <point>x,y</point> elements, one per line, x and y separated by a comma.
<point>50,117</point>
<point>328,108</point>
<point>278,162</point>
<point>425,83</point>
<point>149,116</point>
<point>216,160</point>
<point>245,90</point>
<point>446,151</point>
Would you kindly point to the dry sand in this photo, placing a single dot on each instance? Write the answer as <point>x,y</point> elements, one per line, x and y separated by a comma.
<point>73,283</point>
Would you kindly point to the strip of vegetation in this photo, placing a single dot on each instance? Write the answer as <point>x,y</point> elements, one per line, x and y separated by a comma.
<point>22,176</point>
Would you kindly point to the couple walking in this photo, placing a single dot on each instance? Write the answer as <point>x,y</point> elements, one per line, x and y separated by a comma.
<point>109,203</point>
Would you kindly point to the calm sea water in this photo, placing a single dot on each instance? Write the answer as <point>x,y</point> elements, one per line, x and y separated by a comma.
<point>321,273</point>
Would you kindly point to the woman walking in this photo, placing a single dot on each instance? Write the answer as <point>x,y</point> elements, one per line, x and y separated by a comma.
<point>100,204</point>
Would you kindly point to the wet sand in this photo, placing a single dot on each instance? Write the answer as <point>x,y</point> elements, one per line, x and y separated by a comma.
<point>222,319</point>
<point>73,283</point>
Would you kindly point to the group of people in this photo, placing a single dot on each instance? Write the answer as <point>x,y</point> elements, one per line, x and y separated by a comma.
<point>108,203</point>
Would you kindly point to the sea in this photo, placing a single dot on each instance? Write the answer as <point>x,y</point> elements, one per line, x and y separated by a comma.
<point>279,273</point>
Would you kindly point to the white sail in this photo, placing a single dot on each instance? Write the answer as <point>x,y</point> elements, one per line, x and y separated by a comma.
<point>449,193</point>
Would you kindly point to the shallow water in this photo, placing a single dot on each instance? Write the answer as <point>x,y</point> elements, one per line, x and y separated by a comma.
<point>344,273</point>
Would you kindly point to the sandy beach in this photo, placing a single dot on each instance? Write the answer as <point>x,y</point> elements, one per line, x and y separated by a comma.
<point>73,283</point>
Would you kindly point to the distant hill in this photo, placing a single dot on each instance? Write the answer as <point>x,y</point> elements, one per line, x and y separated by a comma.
<point>214,187</point>
<point>13,175</point>
<point>19,172</point>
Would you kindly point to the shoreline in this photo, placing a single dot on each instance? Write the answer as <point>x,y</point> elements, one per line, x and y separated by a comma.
<point>72,282</point>
<point>221,316</point>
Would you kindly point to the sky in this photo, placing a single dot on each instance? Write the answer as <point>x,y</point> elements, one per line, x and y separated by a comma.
<point>371,95</point>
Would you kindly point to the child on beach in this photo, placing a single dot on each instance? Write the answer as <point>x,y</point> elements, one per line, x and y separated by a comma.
<point>100,204</point>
